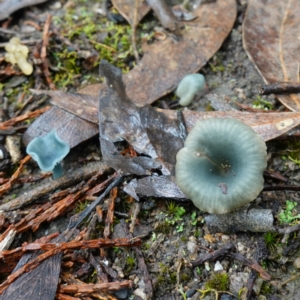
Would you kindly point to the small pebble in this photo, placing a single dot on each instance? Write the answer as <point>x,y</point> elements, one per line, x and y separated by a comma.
<point>257,285</point>
<point>240,247</point>
<point>140,293</point>
<point>225,238</point>
<point>56,6</point>
<point>238,281</point>
<point>297,263</point>
<point>218,267</point>
<point>191,247</point>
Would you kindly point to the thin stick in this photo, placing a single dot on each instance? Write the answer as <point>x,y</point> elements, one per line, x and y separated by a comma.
<point>133,36</point>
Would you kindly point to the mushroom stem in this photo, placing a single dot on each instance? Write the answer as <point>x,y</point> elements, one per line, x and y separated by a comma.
<point>58,171</point>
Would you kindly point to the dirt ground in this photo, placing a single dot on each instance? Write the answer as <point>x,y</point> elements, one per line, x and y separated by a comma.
<point>175,233</point>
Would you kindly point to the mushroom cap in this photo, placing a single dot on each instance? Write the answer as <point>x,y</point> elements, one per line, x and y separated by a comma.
<point>48,150</point>
<point>221,165</point>
<point>188,87</point>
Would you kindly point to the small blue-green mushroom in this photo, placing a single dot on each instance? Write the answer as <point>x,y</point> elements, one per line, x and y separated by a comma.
<point>188,87</point>
<point>221,165</point>
<point>48,151</point>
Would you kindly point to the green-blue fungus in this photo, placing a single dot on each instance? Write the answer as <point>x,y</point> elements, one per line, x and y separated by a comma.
<point>48,151</point>
<point>221,165</point>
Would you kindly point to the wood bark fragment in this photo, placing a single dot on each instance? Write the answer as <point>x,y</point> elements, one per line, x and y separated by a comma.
<point>46,188</point>
<point>280,88</point>
<point>91,288</point>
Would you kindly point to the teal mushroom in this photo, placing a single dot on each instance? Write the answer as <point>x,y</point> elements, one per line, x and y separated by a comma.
<point>188,87</point>
<point>48,151</point>
<point>221,165</point>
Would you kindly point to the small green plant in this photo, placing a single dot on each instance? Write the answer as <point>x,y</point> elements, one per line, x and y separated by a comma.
<point>198,271</point>
<point>173,217</point>
<point>288,214</point>
<point>153,238</point>
<point>194,218</point>
<point>270,240</point>
<point>174,209</point>
<point>181,291</point>
<point>295,161</point>
<point>180,227</point>
<point>260,103</point>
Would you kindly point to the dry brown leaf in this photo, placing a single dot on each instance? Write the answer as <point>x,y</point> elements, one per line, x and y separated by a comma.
<point>70,128</point>
<point>79,104</point>
<point>271,40</point>
<point>267,125</point>
<point>166,62</point>
<point>126,9</point>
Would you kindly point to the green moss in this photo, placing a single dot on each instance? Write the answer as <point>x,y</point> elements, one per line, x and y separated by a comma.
<point>88,29</point>
<point>166,275</point>
<point>130,262</point>
<point>80,206</point>
<point>266,288</point>
<point>184,239</point>
<point>219,282</point>
<point>216,63</point>
<point>67,65</point>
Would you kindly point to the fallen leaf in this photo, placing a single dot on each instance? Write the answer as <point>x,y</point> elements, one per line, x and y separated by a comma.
<point>267,125</point>
<point>48,274</point>
<point>149,132</point>
<point>7,7</point>
<point>126,9</point>
<point>270,35</point>
<point>70,128</point>
<point>166,62</point>
<point>80,104</point>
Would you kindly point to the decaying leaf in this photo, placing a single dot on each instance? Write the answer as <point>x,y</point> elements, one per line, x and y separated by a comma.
<point>149,132</point>
<point>70,128</point>
<point>126,9</point>
<point>7,7</point>
<point>80,104</point>
<point>270,35</point>
<point>166,62</point>
<point>48,274</point>
<point>268,125</point>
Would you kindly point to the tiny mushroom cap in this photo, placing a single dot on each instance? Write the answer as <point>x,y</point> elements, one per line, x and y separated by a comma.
<point>188,87</point>
<point>221,165</point>
<point>48,151</point>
